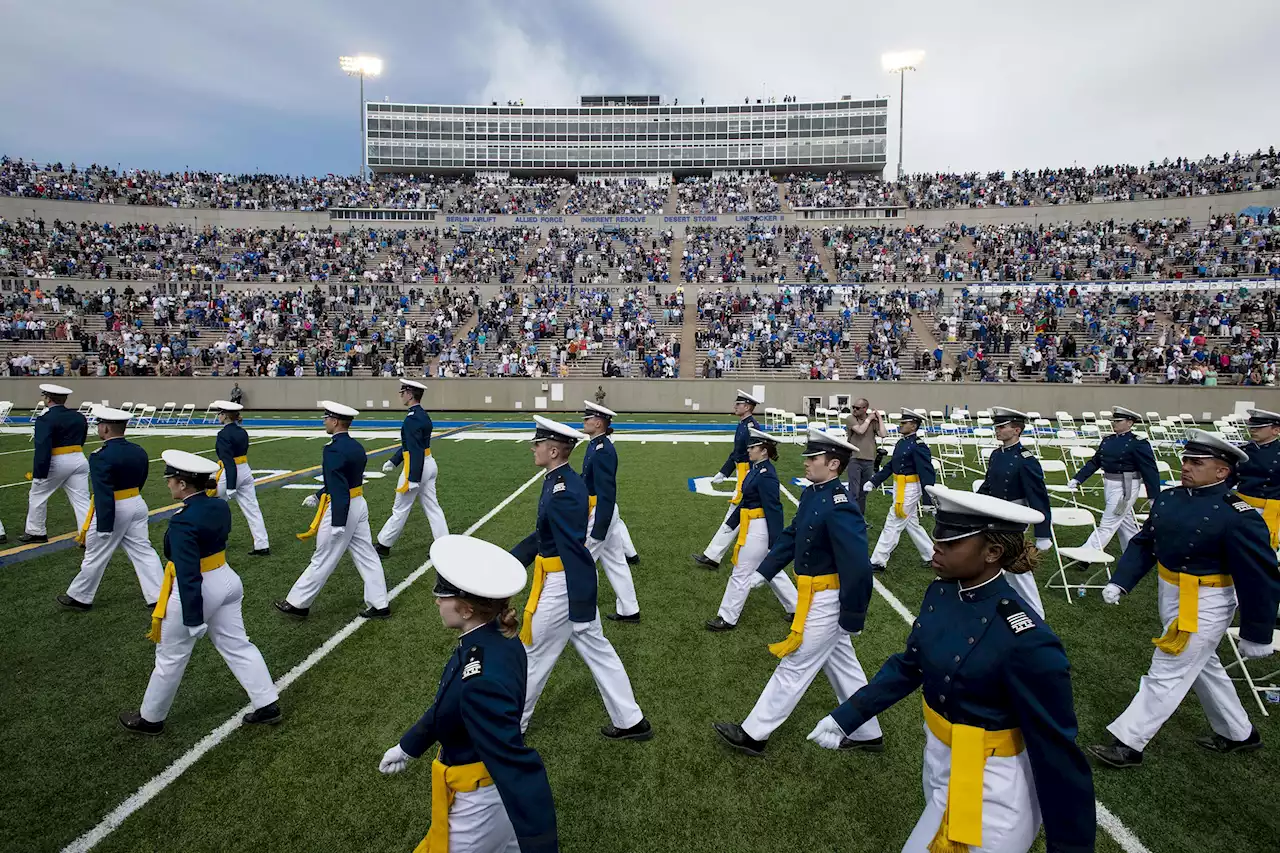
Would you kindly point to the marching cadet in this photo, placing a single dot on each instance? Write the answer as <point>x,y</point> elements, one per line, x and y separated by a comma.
<point>489,789</point>
<point>1000,724</point>
<point>1258,477</point>
<point>341,523</point>
<point>200,595</point>
<point>419,481</point>
<point>59,463</point>
<point>744,407</point>
<point>912,468</point>
<point>234,480</point>
<point>1014,474</point>
<point>759,523</point>
<point>562,601</point>
<point>1210,549</point>
<point>827,540</point>
<point>1125,460</point>
<point>117,514</point>
<point>604,524</point>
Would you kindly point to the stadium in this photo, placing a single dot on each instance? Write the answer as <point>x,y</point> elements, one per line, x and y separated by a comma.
<point>669,262</point>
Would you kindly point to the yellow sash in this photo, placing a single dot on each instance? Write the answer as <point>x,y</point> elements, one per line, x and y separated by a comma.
<point>320,508</point>
<point>743,468</point>
<point>970,747</point>
<point>404,487</point>
<point>207,564</point>
<point>120,495</point>
<point>900,492</point>
<point>67,448</point>
<point>1175,639</point>
<point>591,503</point>
<point>213,492</point>
<point>446,782</point>
<point>744,521</point>
<point>1270,514</point>
<point>808,585</point>
<point>541,567</point>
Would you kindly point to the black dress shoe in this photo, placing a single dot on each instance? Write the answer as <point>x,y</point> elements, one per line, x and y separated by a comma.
<point>633,618</point>
<point>1116,754</point>
<point>383,550</point>
<point>376,612</point>
<point>4,537</point>
<point>134,722</point>
<point>72,604</point>
<point>633,560</point>
<point>705,561</point>
<point>875,744</point>
<point>640,731</point>
<point>1217,743</point>
<point>732,734</point>
<point>788,617</point>
<point>260,552</point>
<point>268,714</point>
<point>718,624</point>
<point>27,538</point>
<point>289,610</point>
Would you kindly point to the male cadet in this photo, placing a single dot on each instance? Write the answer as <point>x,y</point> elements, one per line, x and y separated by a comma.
<point>604,525</point>
<point>827,541</point>
<point>744,407</point>
<point>59,463</point>
<point>1124,459</point>
<point>234,478</point>
<point>1258,479</point>
<point>341,523</point>
<point>1014,474</point>
<point>419,481</point>
<point>117,514</point>
<point>1211,550</point>
<point>912,470</point>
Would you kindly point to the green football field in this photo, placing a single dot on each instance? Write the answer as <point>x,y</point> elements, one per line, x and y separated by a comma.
<point>312,783</point>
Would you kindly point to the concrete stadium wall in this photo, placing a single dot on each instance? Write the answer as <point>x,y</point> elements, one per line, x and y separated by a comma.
<point>81,211</point>
<point>649,396</point>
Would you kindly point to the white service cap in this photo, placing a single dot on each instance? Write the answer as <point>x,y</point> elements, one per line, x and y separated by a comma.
<point>465,564</point>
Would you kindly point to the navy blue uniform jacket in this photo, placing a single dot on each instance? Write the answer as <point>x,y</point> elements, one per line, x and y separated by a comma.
<point>199,529</point>
<point>232,441</point>
<point>1014,474</point>
<point>117,465</point>
<point>600,473</point>
<point>57,427</point>
<point>561,532</point>
<point>415,439</point>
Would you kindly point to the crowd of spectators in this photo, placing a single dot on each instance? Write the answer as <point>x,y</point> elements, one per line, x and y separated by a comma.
<point>719,195</point>
<point>839,189</point>
<point>614,197</point>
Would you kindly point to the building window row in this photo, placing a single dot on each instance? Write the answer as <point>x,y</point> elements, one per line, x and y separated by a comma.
<point>431,109</point>
<point>794,125</point>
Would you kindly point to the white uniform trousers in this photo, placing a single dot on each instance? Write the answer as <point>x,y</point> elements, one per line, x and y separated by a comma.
<point>724,538</point>
<point>247,499</point>
<point>893,527</point>
<point>478,823</point>
<point>425,494</point>
<point>1161,690</point>
<point>628,547</point>
<point>329,550</point>
<point>69,472</point>
<point>129,531</point>
<point>750,555</point>
<point>1010,807</point>
<point>1025,585</point>
<point>612,556</point>
<point>551,630</point>
<point>825,647</point>
<point>1118,515</point>
<point>223,594</point>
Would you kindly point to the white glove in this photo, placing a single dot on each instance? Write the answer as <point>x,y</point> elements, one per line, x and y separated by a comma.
<point>1111,593</point>
<point>388,467</point>
<point>827,733</point>
<point>231,493</point>
<point>394,760</point>
<point>1072,485</point>
<point>868,486</point>
<point>928,509</point>
<point>593,543</point>
<point>335,532</point>
<point>196,631</point>
<point>758,580</point>
<point>411,486</point>
<point>717,479</point>
<point>1249,650</point>
<point>1044,544</point>
<point>311,501</point>
<point>580,627</point>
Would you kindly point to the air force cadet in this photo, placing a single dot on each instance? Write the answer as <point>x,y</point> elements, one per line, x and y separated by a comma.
<point>1125,461</point>
<point>827,541</point>
<point>1000,723</point>
<point>341,523</point>
<point>604,523</point>
<point>561,607</point>
<point>489,789</point>
<point>1014,474</point>
<point>912,469</point>
<point>1211,550</point>
<point>117,514</point>
<point>418,483</point>
<point>59,463</point>
<point>234,479</point>
<point>200,595</point>
<point>744,407</point>
<point>1258,477</point>
<point>759,523</point>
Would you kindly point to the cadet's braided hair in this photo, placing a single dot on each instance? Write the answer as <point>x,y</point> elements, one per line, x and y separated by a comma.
<point>489,609</point>
<point>1020,555</point>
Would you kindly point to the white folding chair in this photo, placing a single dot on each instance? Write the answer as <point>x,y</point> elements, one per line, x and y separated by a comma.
<point>1257,684</point>
<point>166,412</point>
<point>1076,557</point>
<point>6,406</point>
<point>210,415</point>
<point>146,417</point>
<point>188,411</point>
<point>38,411</point>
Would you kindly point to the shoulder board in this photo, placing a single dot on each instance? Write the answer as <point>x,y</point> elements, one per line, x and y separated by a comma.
<point>1014,616</point>
<point>839,499</point>
<point>600,444</point>
<point>1237,504</point>
<point>1027,454</point>
<point>474,663</point>
<point>558,487</point>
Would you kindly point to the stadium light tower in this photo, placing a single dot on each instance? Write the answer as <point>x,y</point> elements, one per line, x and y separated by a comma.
<point>900,63</point>
<point>361,66</point>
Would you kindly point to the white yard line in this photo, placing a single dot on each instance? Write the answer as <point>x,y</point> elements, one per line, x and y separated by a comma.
<point>170,774</point>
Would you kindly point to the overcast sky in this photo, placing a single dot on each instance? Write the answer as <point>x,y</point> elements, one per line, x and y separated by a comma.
<point>254,85</point>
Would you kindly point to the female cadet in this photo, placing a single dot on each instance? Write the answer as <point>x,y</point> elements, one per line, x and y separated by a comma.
<point>200,594</point>
<point>489,791</point>
<point>234,480</point>
<point>759,524</point>
<point>1000,725</point>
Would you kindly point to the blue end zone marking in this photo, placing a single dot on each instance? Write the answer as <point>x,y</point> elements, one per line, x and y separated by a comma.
<point>692,487</point>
